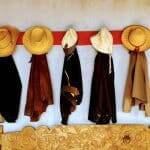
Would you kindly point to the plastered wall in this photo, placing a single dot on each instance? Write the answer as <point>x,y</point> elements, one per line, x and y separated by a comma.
<point>82,15</point>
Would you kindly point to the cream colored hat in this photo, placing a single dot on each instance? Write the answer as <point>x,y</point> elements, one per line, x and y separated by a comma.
<point>8,39</point>
<point>136,36</point>
<point>38,40</point>
<point>103,41</point>
<point>70,38</point>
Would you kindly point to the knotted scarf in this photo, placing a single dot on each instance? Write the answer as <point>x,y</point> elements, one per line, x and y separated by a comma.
<point>137,85</point>
<point>39,94</point>
<point>10,89</point>
<point>102,102</point>
<point>71,85</point>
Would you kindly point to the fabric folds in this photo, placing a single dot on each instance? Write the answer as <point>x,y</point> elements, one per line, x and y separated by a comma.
<point>40,93</point>
<point>137,84</point>
<point>71,85</point>
<point>10,89</point>
<point>102,102</point>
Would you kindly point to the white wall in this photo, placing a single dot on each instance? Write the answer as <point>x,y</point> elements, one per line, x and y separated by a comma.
<point>82,15</point>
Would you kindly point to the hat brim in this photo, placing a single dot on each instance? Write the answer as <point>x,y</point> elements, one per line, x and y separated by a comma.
<point>128,45</point>
<point>11,46</point>
<point>38,50</point>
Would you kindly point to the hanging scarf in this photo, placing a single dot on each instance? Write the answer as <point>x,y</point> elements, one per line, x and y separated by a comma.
<point>137,84</point>
<point>40,89</point>
<point>71,85</point>
<point>102,102</point>
<point>10,89</point>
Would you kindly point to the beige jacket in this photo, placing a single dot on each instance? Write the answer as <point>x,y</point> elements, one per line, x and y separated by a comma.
<point>137,90</point>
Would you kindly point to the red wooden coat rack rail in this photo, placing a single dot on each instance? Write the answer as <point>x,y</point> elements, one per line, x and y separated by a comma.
<point>83,37</point>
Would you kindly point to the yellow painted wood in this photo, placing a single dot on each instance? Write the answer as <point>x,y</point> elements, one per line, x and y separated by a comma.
<point>79,137</point>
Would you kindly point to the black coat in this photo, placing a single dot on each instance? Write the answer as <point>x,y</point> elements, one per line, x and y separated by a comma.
<point>10,89</point>
<point>71,85</point>
<point>102,102</point>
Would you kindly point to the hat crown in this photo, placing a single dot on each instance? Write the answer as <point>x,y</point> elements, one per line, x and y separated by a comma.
<point>37,35</point>
<point>137,37</point>
<point>5,38</point>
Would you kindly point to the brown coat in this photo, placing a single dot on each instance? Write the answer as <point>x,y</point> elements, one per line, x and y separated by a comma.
<point>40,88</point>
<point>137,85</point>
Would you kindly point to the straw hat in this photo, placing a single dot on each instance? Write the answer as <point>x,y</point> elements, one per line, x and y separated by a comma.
<point>103,41</point>
<point>8,39</point>
<point>136,37</point>
<point>70,38</point>
<point>38,40</point>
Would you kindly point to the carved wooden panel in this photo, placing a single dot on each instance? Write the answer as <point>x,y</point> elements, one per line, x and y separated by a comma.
<point>79,137</point>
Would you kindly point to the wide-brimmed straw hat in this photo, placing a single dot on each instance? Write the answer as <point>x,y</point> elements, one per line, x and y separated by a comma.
<point>103,41</point>
<point>70,38</point>
<point>38,40</point>
<point>136,37</point>
<point>8,39</point>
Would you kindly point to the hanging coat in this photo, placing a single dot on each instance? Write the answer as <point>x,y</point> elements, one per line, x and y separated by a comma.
<point>10,89</point>
<point>39,94</point>
<point>102,102</point>
<point>71,85</point>
<point>137,85</point>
